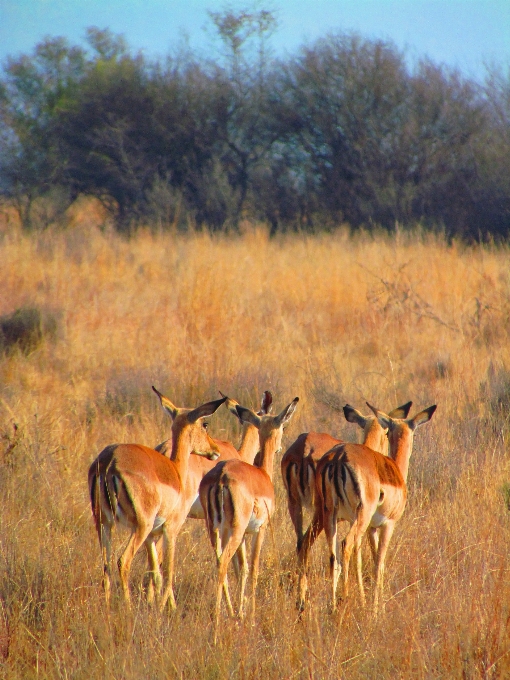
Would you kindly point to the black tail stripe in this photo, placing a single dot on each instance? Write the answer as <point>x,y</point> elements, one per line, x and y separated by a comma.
<point>93,493</point>
<point>217,502</point>
<point>344,475</point>
<point>354,481</point>
<point>302,476</point>
<point>288,472</point>
<point>324,471</point>
<point>336,482</point>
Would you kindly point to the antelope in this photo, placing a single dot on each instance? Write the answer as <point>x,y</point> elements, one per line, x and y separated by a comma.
<point>238,499</point>
<point>198,466</point>
<point>300,460</point>
<point>368,489</point>
<point>136,486</point>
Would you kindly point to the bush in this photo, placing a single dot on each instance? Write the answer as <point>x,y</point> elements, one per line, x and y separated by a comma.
<point>26,328</point>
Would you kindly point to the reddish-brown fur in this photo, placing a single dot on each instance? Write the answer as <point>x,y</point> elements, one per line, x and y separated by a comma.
<point>300,460</point>
<point>238,498</point>
<point>199,466</point>
<point>148,493</point>
<point>367,489</point>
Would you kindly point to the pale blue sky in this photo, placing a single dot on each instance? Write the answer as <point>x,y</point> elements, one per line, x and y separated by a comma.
<point>461,33</point>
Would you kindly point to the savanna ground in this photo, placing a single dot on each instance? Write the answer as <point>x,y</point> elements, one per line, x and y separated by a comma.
<point>331,319</point>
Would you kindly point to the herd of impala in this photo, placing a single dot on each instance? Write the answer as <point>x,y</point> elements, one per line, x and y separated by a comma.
<point>153,491</point>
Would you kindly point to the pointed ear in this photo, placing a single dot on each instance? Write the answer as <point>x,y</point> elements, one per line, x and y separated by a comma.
<point>401,411</point>
<point>231,405</point>
<point>283,418</point>
<point>354,416</point>
<point>422,417</point>
<point>246,415</point>
<point>205,410</point>
<point>266,404</point>
<point>384,420</point>
<point>167,404</point>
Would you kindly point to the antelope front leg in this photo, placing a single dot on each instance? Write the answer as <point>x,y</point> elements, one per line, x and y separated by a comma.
<point>156,581</point>
<point>168,571</point>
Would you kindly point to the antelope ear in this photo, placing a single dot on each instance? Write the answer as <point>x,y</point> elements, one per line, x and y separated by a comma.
<point>246,415</point>
<point>266,404</point>
<point>167,404</point>
<point>354,416</point>
<point>422,417</point>
<point>283,418</point>
<point>384,420</point>
<point>230,404</point>
<point>205,410</point>
<point>401,411</point>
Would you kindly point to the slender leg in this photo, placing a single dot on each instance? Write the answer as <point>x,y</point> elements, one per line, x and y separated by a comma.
<point>105,541</point>
<point>385,537</point>
<point>309,539</point>
<point>295,507</point>
<point>359,566</point>
<point>219,550</point>
<point>168,570</point>
<point>373,537</point>
<point>151,595</point>
<point>155,582</point>
<point>243,564</point>
<point>255,557</point>
<point>330,529</point>
<point>225,558</point>
<point>135,542</point>
<point>353,541</point>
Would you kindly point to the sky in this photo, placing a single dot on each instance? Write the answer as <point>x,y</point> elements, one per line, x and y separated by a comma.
<point>465,34</point>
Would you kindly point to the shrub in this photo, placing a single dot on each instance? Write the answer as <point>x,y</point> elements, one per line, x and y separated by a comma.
<point>25,328</point>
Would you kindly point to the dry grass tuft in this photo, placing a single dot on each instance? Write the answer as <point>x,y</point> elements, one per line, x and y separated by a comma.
<point>332,319</point>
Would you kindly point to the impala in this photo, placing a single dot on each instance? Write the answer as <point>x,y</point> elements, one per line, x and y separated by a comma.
<point>138,487</point>
<point>198,466</point>
<point>368,489</point>
<point>238,499</point>
<point>300,460</point>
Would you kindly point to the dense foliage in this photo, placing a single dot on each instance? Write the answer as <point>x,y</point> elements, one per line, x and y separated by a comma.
<point>345,130</point>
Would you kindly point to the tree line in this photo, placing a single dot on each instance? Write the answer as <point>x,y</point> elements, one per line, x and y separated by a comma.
<point>345,130</point>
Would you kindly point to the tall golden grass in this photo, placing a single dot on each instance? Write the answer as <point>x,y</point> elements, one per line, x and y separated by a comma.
<point>332,319</point>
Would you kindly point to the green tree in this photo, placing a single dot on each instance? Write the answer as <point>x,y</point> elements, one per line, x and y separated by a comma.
<point>33,91</point>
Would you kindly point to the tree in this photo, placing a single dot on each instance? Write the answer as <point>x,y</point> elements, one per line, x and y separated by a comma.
<point>247,138</point>
<point>35,88</point>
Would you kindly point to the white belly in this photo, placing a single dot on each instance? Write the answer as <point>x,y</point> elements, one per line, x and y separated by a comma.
<point>254,524</point>
<point>196,511</point>
<point>378,519</point>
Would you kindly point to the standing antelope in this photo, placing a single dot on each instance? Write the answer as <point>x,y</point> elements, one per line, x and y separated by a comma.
<point>238,499</point>
<point>300,461</point>
<point>367,489</point>
<point>199,466</point>
<point>248,449</point>
<point>147,492</point>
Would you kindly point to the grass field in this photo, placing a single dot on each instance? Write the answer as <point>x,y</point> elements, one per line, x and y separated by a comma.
<point>331,319</point>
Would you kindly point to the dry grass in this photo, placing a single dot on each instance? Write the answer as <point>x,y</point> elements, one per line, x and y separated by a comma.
<point>330,319</point>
